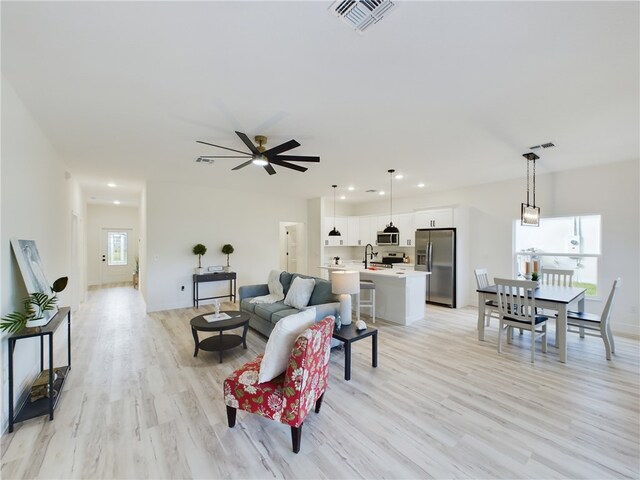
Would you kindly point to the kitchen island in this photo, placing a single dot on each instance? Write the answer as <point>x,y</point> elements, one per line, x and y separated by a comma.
<point>400,293</point>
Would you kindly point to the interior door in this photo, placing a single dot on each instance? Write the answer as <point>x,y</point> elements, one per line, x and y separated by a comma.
<point>292,248</point>
<point>116,255</point>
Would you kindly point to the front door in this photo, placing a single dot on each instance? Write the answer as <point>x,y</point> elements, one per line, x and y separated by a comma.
<point>116,262</point>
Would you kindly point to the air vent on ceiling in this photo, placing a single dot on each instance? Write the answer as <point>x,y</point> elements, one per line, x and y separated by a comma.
<point>542,145</point>
<point>361,14</point>
<point>370,191</point>
<point>204,160</point>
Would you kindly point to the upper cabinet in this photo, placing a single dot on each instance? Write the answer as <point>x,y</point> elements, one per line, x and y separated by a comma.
<point>342,224</point>
<point>406,224</point>
<point>437,218</point>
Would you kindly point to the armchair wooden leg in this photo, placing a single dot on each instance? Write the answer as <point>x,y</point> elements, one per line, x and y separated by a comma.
<point>296,436</point>
<point>231,416</point>
<point>319,402</point>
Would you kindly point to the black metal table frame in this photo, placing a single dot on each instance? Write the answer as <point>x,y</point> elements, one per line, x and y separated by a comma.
<point>214,277</point>
<point>39,332</point>
<point>353,335</point>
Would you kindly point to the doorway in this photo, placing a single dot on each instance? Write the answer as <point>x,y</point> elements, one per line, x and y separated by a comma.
<point>117,259</point>
<point>293,247</point>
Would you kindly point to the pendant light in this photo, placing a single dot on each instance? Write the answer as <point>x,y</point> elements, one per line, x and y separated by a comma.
<point>391,228</point>
<point>334,232</point>
<point>529,213</point>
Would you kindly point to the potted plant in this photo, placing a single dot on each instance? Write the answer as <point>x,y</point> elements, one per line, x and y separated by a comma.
<point>199,250</point>
<point>227,249</point>
<point>136,273</point>
<point>34,305</point>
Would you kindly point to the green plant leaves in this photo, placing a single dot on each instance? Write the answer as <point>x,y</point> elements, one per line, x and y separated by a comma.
<point>34,305</point>
<point>13,322</point>
<point>60,284</point>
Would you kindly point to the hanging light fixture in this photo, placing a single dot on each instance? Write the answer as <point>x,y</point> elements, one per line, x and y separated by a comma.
<point>334,232</point>
<point>391,228</point>
<point>529,213</point>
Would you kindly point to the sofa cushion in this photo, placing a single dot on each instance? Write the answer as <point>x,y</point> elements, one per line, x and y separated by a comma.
<point>247,306</point>
<point>266,310</point>
<point>281,341</point>
<point>279,315</point>
<point>285,279</point>
<point>300,292</point>
<point>322,293</point>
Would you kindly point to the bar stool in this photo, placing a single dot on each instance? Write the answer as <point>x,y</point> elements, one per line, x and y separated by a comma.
<point>370,302</point>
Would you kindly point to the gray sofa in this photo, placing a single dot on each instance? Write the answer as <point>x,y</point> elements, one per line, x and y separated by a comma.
<point>264,316</point>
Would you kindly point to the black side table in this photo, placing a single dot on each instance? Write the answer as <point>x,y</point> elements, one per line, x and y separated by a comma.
<point>219,343</point>
<point>348,334</point>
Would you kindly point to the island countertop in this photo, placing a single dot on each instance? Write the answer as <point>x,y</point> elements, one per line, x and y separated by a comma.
<point>382,272</point>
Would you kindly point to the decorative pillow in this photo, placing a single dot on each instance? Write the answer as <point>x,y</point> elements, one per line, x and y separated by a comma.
<point>300,292</point>
<point>281,341</point>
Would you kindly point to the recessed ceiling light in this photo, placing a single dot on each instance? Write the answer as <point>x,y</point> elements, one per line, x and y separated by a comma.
<point>420,185</point>
<point>342,197</point>
<point>351,189</point>
<point>381,192</point>
<point>116,202</point>
<point>399,176</point>
<point>111,184</point>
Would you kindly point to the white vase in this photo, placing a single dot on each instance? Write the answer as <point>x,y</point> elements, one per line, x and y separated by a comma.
<point>37,323</point>
<point>198,270</point>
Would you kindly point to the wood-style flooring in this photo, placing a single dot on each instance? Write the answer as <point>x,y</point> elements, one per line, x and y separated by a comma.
<point>441,404</point>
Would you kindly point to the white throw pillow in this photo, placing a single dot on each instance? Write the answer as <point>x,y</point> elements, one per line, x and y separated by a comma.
<point>281,341</point>
<point>300,292</point>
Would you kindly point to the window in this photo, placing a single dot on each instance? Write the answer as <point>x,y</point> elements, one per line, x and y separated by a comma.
<point>571,243</point>
<point>117,248</point>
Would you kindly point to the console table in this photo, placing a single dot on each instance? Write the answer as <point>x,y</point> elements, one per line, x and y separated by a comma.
<point>42,406</point>
<point>214,277</point>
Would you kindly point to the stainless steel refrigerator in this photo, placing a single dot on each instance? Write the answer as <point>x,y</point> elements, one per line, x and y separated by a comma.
<point>436,253</point>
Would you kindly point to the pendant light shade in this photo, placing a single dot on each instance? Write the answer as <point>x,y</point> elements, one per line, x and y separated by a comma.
<point>335,232</point>
<point>391,228</point>
<point>529,213</point>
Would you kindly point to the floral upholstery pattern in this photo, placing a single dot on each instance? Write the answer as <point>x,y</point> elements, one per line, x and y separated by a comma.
<point>289,397</point>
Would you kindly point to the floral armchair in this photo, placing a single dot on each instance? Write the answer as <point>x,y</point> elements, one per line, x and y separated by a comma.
<point>289,397</point>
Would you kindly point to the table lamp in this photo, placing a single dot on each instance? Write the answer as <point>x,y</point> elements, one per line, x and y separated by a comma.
<point>344,283</point>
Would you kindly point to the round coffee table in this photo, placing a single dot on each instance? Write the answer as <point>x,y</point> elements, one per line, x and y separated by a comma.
<point>219,343</point>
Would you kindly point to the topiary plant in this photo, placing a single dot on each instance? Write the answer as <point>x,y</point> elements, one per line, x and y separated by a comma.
<point>227,249</point>
<point>199,250</point>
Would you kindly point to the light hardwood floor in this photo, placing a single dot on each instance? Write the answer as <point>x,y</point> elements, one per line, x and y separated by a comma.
<point>137,404</point>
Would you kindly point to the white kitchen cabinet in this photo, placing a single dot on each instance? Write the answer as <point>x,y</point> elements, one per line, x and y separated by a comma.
<point>436,218</point>
<point>342,224</point>
<point>366,231</point>
<point>406,225</point>
<point>353,231</point>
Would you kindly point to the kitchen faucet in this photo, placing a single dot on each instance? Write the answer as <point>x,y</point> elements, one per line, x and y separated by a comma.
<point>373,254</point>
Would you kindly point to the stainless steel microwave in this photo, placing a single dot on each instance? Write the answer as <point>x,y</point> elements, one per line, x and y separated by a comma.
<point>388,238</point>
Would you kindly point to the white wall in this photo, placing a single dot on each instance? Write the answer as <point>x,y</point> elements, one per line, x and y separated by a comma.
<point>101,217</point>
<point>611,190</point>
<point>213,217</point>
<point>37,201</point>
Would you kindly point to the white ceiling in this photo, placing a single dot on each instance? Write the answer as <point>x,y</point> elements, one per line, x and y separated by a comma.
<point>447,93</point>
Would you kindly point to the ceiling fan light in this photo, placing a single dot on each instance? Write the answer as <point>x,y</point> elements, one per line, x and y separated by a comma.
<point>260,160</point>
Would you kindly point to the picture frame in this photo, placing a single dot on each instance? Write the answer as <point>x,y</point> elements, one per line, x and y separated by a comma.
<point>32,269</point>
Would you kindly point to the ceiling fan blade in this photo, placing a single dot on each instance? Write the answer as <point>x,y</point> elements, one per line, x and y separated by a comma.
<point>297,158</point>
<point>242,165</point>
<point>283,147</point>
<point>289,165</point>
<point>220,146</point>
<point>248,143</point>
<point>222,156</point>
<point>270,169</point>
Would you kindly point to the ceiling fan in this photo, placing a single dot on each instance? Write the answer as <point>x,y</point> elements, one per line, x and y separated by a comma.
<point>259,155</point>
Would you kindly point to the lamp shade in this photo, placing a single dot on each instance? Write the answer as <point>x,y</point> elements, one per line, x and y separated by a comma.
<point>345,282</point>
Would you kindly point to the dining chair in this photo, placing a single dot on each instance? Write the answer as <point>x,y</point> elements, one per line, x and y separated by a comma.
<point>520,293</point>
<point>556,276</point>
<point>490,306</point>
<point>600,324</point>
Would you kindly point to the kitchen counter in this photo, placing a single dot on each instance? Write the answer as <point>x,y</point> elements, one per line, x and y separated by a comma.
<point>400,294</point>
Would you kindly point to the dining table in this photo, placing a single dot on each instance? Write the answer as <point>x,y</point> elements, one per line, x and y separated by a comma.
<point>551,297</point>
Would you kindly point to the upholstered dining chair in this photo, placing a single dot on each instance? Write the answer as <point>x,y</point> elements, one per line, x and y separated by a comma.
<point>600,324</point>
<point>520,293</point>
<point>490,306</point>
<point>289,397</point>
